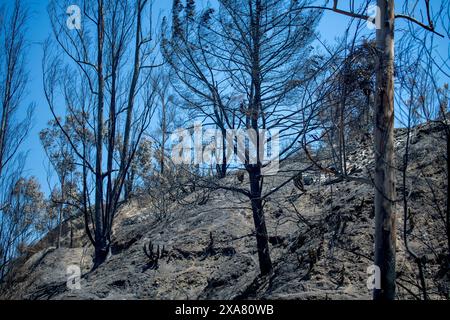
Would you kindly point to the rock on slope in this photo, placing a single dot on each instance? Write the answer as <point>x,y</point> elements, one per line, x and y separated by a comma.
<point>321,242</point>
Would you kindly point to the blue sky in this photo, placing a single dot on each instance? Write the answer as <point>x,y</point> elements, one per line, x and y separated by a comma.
<point>38,31</point>
<point>332,25</point>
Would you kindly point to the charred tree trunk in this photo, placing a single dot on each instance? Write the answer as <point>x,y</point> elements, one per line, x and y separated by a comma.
<point>447,211</point>
<point>222,167</point>
<point>128,184</point>
<point>254,170</point>
<point>101,245</point>
<point>61,214</point>
<point>262,240</point>
<point>71,233</point>
<point>342,153</point>
<point>163,133</point>
<point>125,157</point>
<point>385,221</point>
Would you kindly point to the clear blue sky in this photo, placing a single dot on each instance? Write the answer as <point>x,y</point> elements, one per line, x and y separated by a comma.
<point>332,26</point>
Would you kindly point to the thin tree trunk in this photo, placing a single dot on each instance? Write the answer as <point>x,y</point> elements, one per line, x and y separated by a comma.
<point>163,133</point>
<point>342,155</point>
<point>111,139</point>
<point>61,214</point>
<point>6,106</point>
<point>447,213</point>
<point>221,169</point>
<point>254,170</point>
<point>71,233</point>
<point>128,187</point>
<point>262,240</point>
<point>385,221</point>
<point>101,246</point>
<point>3,130</point>
<point>124,158</point>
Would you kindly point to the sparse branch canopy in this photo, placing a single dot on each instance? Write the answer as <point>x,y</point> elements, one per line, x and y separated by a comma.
<point>20,197</point>
<point>241,65</point>
<point>106,107</point>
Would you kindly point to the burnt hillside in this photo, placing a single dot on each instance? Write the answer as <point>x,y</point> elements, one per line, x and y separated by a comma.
<point>321,240</point>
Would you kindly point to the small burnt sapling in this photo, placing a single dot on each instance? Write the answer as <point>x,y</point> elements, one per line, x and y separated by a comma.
<point>153,256</point>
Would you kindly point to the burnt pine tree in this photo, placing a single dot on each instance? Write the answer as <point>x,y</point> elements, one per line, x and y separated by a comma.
<point>90,64</point>
<point>250,59</point>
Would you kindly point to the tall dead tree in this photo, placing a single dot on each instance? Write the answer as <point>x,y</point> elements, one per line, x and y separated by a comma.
<point>15,123</point>
<point>384,178</point>
<point>109,122</point>
<point>250,58</point>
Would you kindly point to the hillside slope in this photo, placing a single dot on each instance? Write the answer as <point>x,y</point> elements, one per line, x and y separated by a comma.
<point>321,241</point>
